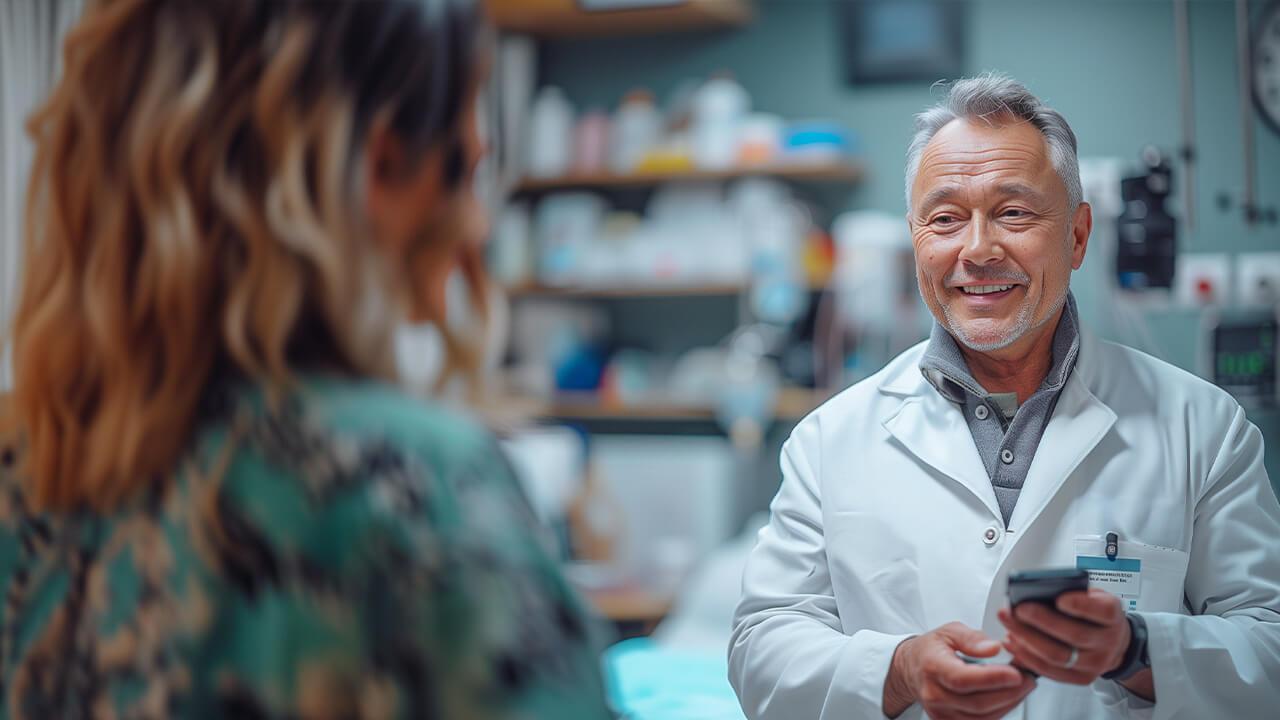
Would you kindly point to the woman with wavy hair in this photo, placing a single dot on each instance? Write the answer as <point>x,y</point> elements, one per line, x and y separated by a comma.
<point>216,503</point>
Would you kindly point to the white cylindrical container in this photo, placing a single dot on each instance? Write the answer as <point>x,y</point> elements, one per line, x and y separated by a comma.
<point>550,134</point>
<point>719,107</point>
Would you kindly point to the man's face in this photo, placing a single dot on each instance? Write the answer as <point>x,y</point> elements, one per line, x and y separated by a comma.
<point>995,243</point>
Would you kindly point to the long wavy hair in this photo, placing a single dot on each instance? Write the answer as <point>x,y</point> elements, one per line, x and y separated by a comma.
<point>195,208</point>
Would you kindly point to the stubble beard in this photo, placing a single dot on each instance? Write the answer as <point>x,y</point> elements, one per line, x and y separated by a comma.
<point>1022,324</point>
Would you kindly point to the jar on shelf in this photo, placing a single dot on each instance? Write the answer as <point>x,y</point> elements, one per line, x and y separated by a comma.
<point>591,143</point>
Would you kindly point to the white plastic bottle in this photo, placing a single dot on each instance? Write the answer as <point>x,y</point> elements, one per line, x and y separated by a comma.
<point>550,134</point>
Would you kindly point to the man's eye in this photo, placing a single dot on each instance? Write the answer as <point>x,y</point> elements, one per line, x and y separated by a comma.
<point>944,220</point>
<point>1015,213</point>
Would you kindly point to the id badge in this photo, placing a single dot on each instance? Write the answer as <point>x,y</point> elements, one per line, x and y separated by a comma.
<point>1121,577</point>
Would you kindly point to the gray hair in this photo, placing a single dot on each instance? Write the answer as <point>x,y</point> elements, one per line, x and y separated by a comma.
<point>987,97</point>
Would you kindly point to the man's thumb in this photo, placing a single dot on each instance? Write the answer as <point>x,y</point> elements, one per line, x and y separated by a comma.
<point>974,642</point>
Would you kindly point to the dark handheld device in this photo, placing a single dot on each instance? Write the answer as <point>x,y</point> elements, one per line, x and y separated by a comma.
<point>1044,586</point>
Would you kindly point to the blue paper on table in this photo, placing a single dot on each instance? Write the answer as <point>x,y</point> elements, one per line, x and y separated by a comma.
<point>650,682</point>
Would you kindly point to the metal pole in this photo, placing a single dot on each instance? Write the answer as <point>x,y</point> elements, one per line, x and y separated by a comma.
<point>1182,35</point>
<point>1246,109</point>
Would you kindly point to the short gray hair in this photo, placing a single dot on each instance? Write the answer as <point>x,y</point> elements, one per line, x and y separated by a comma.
<point>987,97</point>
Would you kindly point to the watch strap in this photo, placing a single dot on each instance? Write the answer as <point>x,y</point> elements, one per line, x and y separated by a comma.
<point>1136,656</point>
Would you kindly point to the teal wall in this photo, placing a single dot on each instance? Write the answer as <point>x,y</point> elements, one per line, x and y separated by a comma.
<point>1108,65</point>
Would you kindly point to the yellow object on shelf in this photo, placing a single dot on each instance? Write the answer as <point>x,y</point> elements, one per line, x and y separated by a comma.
<point>660,162</point>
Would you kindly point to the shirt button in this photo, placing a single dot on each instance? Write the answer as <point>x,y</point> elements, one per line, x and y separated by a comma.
<point>1006,456</point>
<point>990,535</point>
<point>981,412</point>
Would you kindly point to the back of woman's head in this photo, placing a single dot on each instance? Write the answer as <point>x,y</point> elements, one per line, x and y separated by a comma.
<point>196,204</point>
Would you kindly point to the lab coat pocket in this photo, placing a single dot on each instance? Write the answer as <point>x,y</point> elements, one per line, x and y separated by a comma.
<point>874,573</point>
<point>1148,578</point>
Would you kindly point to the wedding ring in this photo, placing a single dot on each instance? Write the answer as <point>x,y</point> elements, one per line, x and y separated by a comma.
<point>1071,661</point>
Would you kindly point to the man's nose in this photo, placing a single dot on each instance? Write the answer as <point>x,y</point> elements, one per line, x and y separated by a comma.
<point>982,243</point>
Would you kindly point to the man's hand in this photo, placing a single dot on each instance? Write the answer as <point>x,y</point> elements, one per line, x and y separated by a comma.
<point>925,669</point>
<point>1091,623</point>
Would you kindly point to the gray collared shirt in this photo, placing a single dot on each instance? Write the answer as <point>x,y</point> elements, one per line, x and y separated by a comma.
<point>1006,435</point>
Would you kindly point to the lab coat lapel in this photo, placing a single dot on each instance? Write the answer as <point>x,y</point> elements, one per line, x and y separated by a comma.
<point>934,430</point>
<point>1078,424</point>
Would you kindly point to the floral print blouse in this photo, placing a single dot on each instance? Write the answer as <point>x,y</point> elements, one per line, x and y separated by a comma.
<point>341,552</point>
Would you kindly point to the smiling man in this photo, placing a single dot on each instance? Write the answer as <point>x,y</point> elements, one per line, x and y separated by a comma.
<point>1013,439</point>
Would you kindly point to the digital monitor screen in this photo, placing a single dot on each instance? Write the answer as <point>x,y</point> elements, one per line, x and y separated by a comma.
<point>1244,359</point>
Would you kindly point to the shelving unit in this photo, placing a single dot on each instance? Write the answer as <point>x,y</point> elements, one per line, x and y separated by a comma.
<point>846,172</point>
<point>553,18</point>
<point>664,319</point>
<point>829,174</point>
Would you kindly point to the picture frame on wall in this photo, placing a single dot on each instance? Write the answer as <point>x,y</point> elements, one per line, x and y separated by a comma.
<point>900,41</point>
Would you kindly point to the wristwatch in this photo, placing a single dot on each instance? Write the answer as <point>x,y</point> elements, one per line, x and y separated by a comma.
<point>1136,656</point>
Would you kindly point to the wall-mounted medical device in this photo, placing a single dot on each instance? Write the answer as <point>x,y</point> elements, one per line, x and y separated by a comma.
<point>1146,242</point>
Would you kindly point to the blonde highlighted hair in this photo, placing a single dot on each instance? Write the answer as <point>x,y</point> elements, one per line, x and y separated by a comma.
<point>194,209</point>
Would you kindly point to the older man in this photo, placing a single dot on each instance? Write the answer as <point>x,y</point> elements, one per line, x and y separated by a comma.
<point>1013,439</point>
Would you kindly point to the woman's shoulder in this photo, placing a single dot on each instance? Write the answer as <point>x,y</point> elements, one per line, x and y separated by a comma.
<point>340,455</point>
<point>381,412</point>
<point>335,431</point>
<point>363,462</point>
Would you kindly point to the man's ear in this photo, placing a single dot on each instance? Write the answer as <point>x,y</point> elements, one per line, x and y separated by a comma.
<point>1081,226</point>
<point>401,191</point>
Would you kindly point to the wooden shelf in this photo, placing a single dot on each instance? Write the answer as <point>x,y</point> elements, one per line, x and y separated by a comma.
<point>633,291</point>
<point>843,172</point>
<point>629,605</point>
<point>795,403</point>
<point>646,291</point>
<point>791,404</point>
<point>558,18</point>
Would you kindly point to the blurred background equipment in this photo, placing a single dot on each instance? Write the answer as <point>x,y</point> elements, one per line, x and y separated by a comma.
<point>1147,246</point>
<point>1244,356</point>
<point>877,306</point>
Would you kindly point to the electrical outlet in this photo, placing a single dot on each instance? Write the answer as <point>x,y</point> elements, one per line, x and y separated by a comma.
<point>1258,279</point>
<point>1202,278</point>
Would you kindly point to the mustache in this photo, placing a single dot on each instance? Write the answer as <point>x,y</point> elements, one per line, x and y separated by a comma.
<point>986,276</point>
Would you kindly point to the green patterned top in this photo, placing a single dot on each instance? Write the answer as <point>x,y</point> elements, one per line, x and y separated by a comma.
<point>347,554</point>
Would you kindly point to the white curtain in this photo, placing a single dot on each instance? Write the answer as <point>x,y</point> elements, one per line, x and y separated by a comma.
<point>31,34</point>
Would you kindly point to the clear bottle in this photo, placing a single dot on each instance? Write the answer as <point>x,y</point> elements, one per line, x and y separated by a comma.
<point>636,130</point>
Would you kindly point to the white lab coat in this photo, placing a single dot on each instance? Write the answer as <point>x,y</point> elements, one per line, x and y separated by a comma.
<point>879,532</point>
